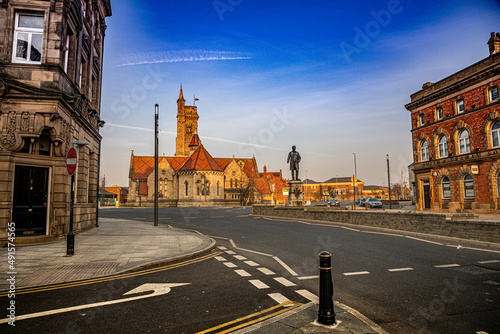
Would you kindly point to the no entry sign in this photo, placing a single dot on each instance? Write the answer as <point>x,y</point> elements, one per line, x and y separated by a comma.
<point>71,161</point>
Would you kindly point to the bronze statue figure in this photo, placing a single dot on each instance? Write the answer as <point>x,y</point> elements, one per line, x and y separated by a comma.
<point>294,159</point>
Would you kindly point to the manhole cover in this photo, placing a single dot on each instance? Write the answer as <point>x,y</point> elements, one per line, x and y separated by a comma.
<point>475,270</point>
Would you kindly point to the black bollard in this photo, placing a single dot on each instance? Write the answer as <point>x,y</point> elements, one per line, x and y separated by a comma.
<point>326,313</point>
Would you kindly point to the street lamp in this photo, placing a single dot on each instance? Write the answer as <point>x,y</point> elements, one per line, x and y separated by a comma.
<point>389,181</point>
<point>157,112</point>
<point>354,182</point>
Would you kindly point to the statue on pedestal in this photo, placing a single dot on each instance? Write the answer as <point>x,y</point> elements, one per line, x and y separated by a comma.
<point>294,159</point>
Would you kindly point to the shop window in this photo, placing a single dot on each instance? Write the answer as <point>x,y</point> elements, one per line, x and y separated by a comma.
<point>443,147</point>
<point>28,38</point>
<point>468,187</point>
<point>424,151</point>
<point>445,186</point>
<point>464,142</point>
<point>495,134</point>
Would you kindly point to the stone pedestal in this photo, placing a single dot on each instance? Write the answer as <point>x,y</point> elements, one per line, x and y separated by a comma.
<point>296,196</point>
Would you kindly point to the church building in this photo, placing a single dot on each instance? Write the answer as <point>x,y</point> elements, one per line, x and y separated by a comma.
<point>192,177</point>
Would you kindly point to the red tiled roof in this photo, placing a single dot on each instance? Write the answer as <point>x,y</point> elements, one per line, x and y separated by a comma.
<point>143,166</point>
<point>201,160</point>
<point>262,185</point>
<point>195,141</point>
<point>223,162</point>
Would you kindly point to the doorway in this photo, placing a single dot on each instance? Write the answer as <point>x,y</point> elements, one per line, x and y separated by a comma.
<point>30,200</point>
<point>426,194</point>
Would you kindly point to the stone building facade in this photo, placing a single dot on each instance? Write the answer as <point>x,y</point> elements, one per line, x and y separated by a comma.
<point>193,177</point>
<point>456,138</point>
<point>51,56</point>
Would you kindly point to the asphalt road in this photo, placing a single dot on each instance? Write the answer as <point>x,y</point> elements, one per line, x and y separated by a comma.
<point>403,284</point>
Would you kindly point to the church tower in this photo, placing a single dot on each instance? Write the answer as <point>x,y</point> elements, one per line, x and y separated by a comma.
<point>187,126</point>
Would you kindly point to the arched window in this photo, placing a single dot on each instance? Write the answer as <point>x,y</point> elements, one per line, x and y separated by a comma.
<point>495,134</point>
<point>468,187</point>
<point>464,142</point>
<point>44,143</point>
<point>424,151</point>
<point>445,186</point>
<point>217,188</point>
<point>443,147</point>
<point>187,187</point>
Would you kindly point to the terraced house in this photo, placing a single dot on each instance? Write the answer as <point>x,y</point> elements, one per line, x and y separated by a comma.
<point>456,138</point>
<point>51,62</point>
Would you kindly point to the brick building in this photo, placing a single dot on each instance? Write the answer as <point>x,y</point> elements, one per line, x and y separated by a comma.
<point>340,187</point>
<point>51,58</point>
<point>456,138</point>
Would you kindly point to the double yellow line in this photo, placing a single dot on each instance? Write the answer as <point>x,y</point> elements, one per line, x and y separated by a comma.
<point>260,316</point>
<point>112,277</point>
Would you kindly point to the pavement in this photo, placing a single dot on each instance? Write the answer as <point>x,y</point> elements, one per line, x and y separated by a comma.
<point>121,245</point>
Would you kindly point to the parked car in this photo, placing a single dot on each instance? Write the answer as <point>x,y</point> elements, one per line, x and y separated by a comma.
<point>333,202</point>
<point>373,203</point>
<point>361,201</point>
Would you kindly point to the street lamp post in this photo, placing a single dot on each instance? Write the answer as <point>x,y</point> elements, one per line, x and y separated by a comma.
<point>354,181</point>
<point>157,107</point>
<point>389,181</point>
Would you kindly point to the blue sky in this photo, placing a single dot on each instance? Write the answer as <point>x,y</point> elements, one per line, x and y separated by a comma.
<point>331,77</point>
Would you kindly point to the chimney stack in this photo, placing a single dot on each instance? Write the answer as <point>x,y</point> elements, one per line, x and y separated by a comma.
<point>265,169</point>
<point>494,43</point>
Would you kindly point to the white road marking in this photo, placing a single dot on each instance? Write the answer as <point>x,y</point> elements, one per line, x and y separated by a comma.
<point>156,288</point>
<point>350,229</point>
<point>489,261</point>
<point>290,270</point>
<point>222,248</point>
<point>230,265</point>
<point>399,269</point>
<point>247,250</point>
<point>242,273</point>
<point>259,284</point>
<point>304,222</point>
<point>230,252</point>
<point>219,258</point>
<point>252,264</point>
<point>428,241</point>
<point>451,265</point>
<point>266,271</point>
<point>357,273</point>
<point>240,257</point>
<point>383,233</point>
<point>308,277</point>
<point>279,298</point>
<point>267,218</point>
<point>308,295</point>
<point>482,332</point>
<point>284,281</point>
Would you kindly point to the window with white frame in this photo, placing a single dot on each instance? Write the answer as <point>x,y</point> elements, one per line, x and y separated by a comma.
<point>495,134</point>
<point>460,106</point>
<point>422,119</point>
<point>493,94</point>
<point>439,113</point>
<point>28,38</point>
<point>464,142</point>
<point>424,151</point>
<point>468,187</point>
<point>443,147</point>
<point>445,186</point>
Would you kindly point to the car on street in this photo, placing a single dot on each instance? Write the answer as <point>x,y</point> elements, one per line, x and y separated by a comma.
<point>333,202</point>
<point>361,201</point>
<point>373,203</point>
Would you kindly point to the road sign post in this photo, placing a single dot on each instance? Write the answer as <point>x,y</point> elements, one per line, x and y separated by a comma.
<point>71,163</point>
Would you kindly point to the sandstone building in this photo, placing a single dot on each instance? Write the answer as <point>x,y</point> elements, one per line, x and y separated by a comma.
<point>194,178</point>
<point>51,56</point>
<point>456,138</point>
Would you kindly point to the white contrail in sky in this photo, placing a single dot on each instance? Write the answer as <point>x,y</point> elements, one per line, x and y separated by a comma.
<point>180,56</point>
